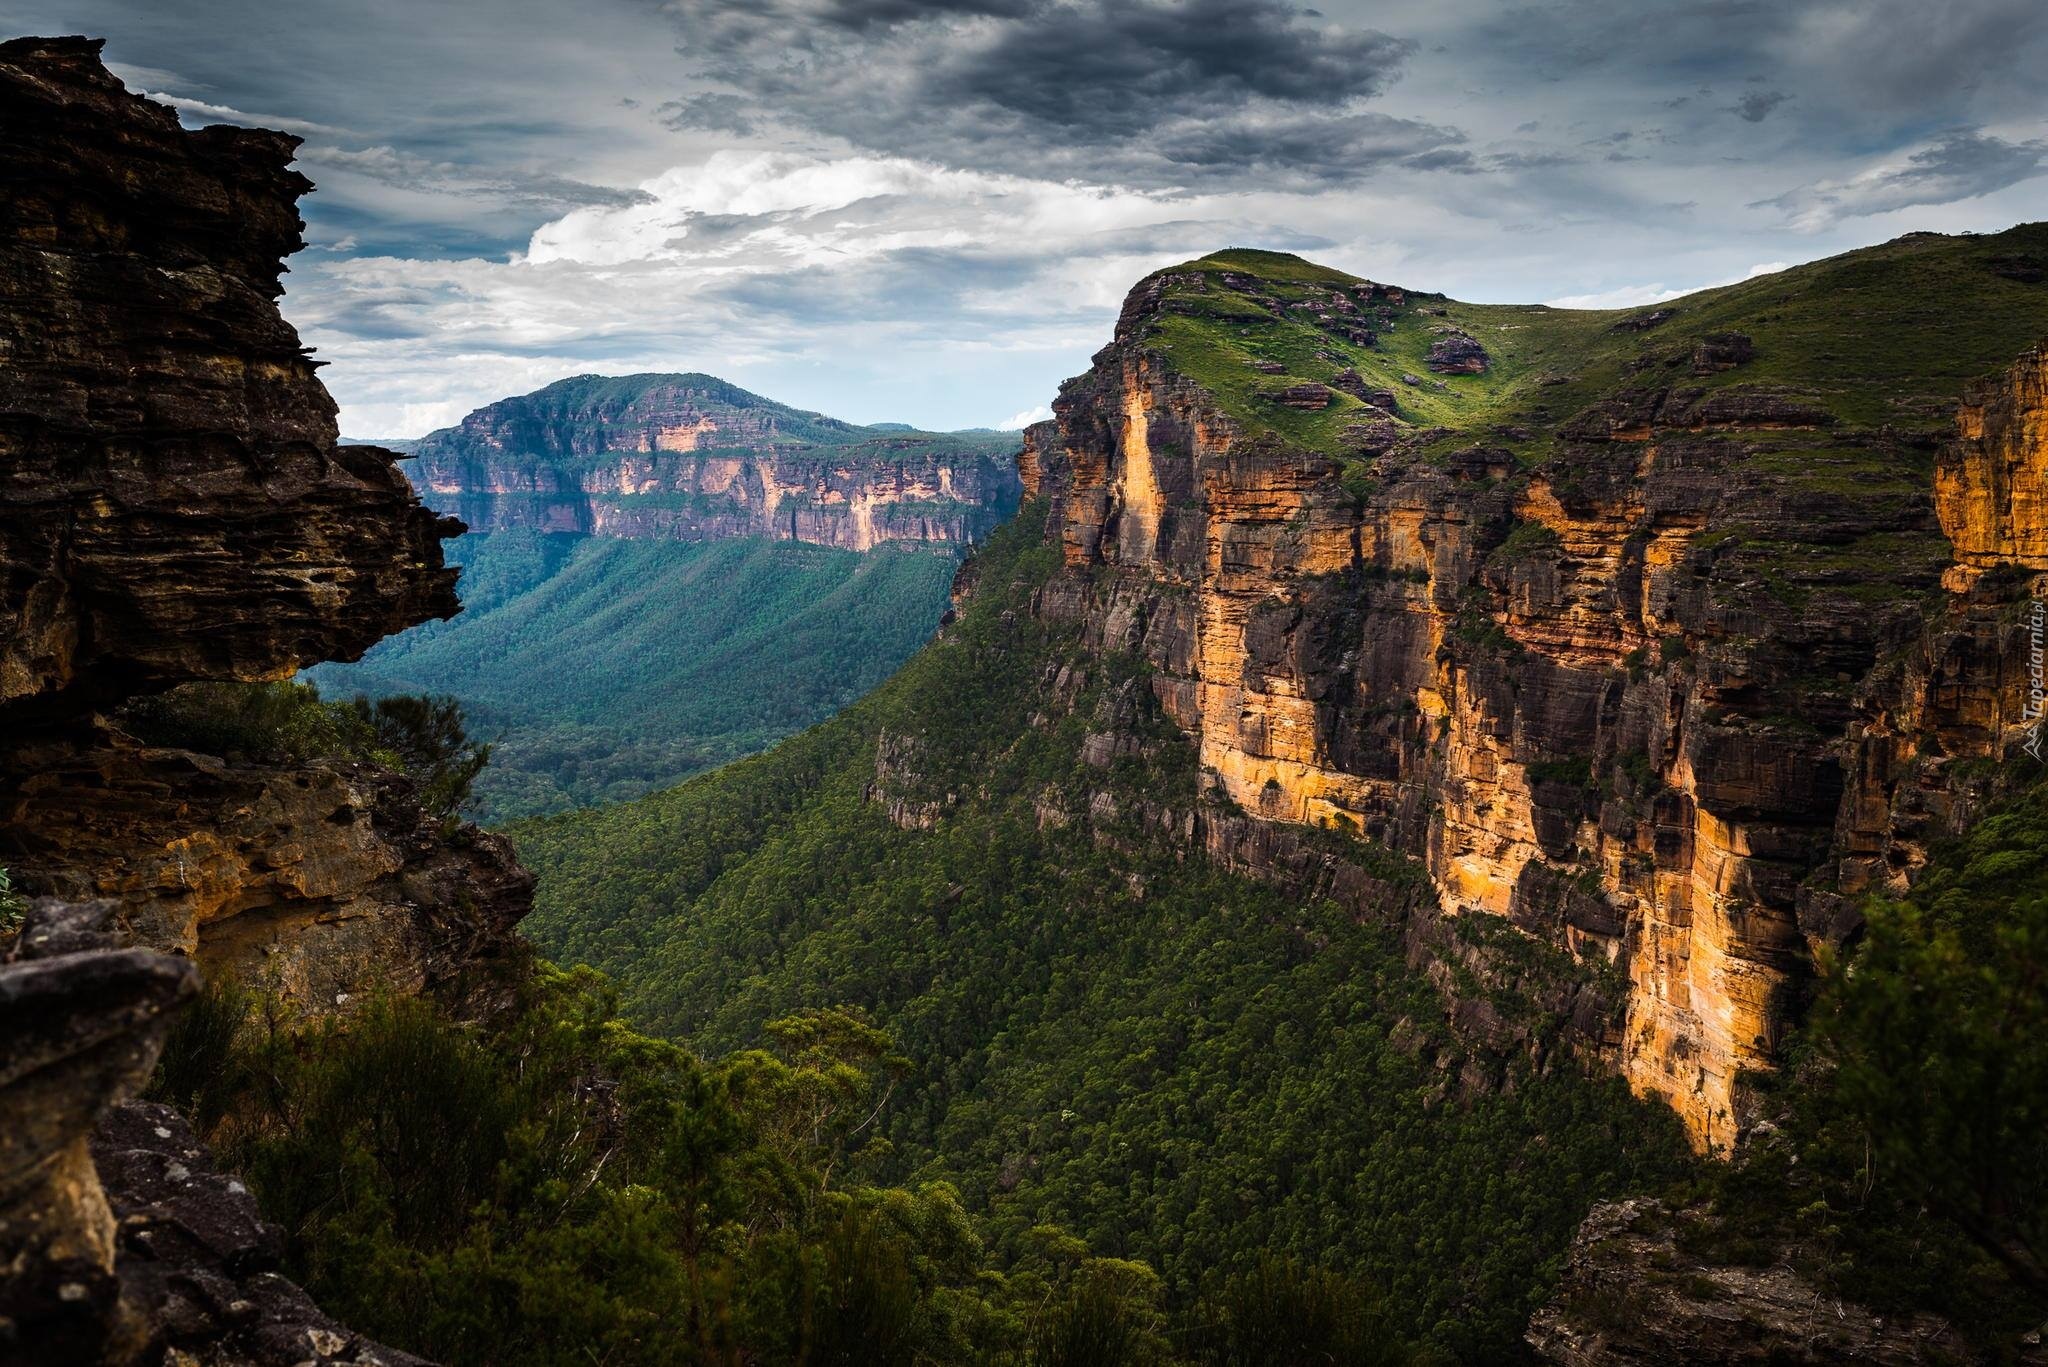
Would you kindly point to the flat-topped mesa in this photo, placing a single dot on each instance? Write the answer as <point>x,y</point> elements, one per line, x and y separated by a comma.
<point>175,503</point>
<point>692,458</point>
<point>1595,628</point>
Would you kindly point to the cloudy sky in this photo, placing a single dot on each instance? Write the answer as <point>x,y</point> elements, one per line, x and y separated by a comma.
<point>927,212</point>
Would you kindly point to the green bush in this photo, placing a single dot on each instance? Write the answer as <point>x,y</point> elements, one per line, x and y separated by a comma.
<point>1285,1314</point>
<point>1525,541</point>
<point>1911,1170</point>
<point>422,738</point>
<point>284,722</point>
<point>288,723</point>
<point>13,906</point>
<point>1105,1316</point>
<point>557,1186</point>
<point>202,1068</point>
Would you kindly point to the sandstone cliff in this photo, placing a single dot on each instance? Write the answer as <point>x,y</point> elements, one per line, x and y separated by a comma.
<point>1636,639</point>
<point>1635,1294</point>
<point>175,504</point>
<point>176,507</point>
<point>691,458</point>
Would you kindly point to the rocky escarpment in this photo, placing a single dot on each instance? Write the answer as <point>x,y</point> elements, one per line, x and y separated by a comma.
<point>1636,1294</point>
<point>1991,485</point>
<point>1657,669</point>
<point>691,458</point>
<point>176,507</point>
<point>318,882</point>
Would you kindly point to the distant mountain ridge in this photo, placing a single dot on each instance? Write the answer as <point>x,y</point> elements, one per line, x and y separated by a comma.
<point>690,457</point>
<point>666,572</point>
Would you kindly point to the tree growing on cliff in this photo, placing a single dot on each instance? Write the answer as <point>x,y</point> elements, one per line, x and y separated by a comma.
<point>425,739</point>
<point>1938,1031</point>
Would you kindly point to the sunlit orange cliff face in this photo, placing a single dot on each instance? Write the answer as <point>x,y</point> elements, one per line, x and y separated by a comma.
<point>1550,684</point>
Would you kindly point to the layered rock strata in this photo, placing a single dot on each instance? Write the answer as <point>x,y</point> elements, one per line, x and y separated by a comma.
<point>174,501</point>
<point>1675,755</point>
<point>81,1023</point>
<point>175,507</point>
<point>689,458</point>
<point>317,882</point>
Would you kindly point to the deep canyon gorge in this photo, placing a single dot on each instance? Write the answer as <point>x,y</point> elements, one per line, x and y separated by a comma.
<point>1382,760</point>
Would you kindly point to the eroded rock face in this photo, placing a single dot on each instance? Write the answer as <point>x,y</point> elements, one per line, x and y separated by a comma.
<point>81,1023</point>
<point>174,506</point>
<point>1991,482</point>
<point>119,1242</point>
<point>174,503</point>
<point>690,458</point>
<point>1633,1294</point>
<point>318,882</point>
<point>853,504</point>
<point>1583,711</point>
<point>198,1262</point>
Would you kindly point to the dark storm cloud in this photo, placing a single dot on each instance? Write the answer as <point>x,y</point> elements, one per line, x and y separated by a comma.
<point>1309,147</point>
<point>1757,105</point>
<point>1854,65</point>
<point>540,192</point>
<point>1120,69</point>
<point>935,205</point>
<point>866,14</point>
<point>1961,165</point>
<point>1147,92</point>
<point>1846,101</point>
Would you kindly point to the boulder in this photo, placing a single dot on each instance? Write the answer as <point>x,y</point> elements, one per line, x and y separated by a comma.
<point>1719,351</point>
<point>1458,354</point>
<point>1307,397</point>
<point>1643,322</point>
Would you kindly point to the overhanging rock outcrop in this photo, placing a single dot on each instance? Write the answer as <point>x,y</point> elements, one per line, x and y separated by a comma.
<point>174,501</point>
<point>175,508</point>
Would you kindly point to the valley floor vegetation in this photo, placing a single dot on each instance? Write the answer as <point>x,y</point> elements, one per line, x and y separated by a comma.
<point>601,669</point>
<point>1179,1068</point>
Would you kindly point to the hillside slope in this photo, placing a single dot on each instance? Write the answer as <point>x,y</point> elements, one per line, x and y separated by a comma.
<point>600,668</point>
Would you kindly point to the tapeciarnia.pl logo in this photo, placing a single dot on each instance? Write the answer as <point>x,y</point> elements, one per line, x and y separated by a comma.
<point>2037,678</point>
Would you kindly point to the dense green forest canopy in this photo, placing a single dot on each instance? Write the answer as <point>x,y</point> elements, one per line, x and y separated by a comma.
<point>1180,1067</point>
<point>599,669</point>
<point>546,1183</point>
